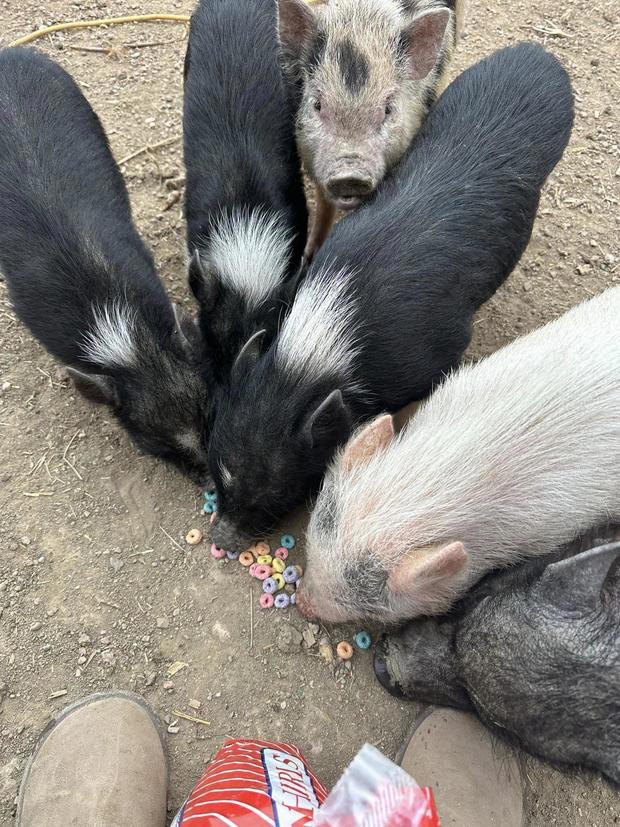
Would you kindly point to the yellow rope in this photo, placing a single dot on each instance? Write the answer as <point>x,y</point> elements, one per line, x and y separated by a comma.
<point>108,21</point>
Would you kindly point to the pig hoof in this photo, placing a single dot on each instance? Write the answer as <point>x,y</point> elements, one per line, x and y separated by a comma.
<point>382,672</point>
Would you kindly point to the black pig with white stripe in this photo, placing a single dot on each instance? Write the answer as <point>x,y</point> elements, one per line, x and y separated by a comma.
<point>245,205</point>
<point>386,308</point>
<point>368,71</point>
<point>79,276</point>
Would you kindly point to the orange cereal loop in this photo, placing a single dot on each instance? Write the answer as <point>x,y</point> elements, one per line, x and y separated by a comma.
<point>246,558</point>
<point>344,650</point>
<point>193,537</point>
<point>262,548</point>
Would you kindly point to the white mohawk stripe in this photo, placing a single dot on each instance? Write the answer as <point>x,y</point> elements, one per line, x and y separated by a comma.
<point>250,252</point>
<point>319,334</point>
<point>109,342</point>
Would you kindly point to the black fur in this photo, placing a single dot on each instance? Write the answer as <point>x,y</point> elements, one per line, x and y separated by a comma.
<point>534,650</point>
<point>240,152</point>
<point>353,66</point>
<point>443,231</point>
<point>68,248</point>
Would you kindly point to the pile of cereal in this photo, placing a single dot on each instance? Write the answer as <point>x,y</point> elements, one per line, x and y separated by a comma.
<point>280,579</point>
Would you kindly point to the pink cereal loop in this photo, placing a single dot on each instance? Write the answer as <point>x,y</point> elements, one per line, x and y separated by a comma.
<point>266,601</point>
<point>281,553</point>
<point>262,572</point>
<point>216,552</point>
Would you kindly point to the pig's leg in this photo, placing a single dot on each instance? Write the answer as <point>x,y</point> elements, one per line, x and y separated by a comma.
<point>321,224</point>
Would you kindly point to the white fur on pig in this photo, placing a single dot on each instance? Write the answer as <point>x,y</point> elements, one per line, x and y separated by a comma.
<point>511,457</point>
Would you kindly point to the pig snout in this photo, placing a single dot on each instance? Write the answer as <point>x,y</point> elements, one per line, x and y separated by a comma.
<point>304,605</point>
<point>228,536</point>
<point>348,191</point>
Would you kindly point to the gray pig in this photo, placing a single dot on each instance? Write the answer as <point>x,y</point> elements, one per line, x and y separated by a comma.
<point>535,651</point>
<point>368,71</point>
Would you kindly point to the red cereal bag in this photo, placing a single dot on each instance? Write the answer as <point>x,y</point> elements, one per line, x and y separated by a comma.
<point>252,783</point>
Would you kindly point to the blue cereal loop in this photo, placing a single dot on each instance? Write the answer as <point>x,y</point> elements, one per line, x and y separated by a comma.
<point>232,555</point>
<point>270,586</point>
<point>362,640</point>
<point>210,496</point>
<point>282,600</point>
<point>287,541</point>
<point>290,574</point>
<point>209,507</point>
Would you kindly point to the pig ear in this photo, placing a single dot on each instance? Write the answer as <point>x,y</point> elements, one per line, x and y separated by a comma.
<point>575,584</point>
<point>434,563</point>
<point>250,352</point>
<point>328,424</point>
<point>185,333</point>
<point>203,281</point>
<point>296,24</point>
<point>423,39</point>
<point>95,387</point>
<point>374,437</point>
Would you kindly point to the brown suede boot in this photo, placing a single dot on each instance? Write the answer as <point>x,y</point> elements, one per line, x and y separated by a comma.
<point>101,763</point>
<point>476,782</point>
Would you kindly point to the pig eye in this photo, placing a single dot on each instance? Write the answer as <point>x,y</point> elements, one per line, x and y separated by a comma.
<point>388,108</point>
<point>317,104</point>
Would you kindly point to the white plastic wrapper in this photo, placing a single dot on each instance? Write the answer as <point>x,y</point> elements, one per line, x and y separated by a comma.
<point>375,792</point>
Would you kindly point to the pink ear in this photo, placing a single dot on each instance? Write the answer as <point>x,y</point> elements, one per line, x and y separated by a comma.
<point>431,563</point>
<point>425,36</point>
<point>368,441</point>
<point>297,23</point>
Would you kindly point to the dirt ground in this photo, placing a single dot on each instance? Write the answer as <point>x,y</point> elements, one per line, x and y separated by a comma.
<point>97,587</point>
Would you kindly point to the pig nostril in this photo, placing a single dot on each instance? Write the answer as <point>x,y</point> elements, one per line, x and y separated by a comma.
<point>349,187</point>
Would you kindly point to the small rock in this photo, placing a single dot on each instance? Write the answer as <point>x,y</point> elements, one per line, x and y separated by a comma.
<point>83,639</point>
<point>194,704</point>
<point>173,729</point>
<point>81,660</point>
<point>163,623</point>
<point>34,627</point>
<point>169,685</point>
<point>116,564</point>
<point>108,657</point>
<point>51,612</point>
<point>283,705</point>
<point>25,540</point>
<point>309,637</point>
<point>145,638</point>
<point>218,694</point>
<point>595,61</point>
<point>150,679</point>
<point>289,639</point>
<point>325,650</point>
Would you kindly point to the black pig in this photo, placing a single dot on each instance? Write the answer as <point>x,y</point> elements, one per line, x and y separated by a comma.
<point>386,308</point>
<point>245,205</point>
<point>79,276</point>
<point>534,650</point>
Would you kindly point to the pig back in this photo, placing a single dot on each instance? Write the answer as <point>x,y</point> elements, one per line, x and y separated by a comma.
<point>452,220</point>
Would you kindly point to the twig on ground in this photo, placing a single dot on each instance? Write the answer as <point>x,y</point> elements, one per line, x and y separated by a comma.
<point>104,21</point>
<point>148,148</point>
<point>190,718</point>
<point>172,540</point>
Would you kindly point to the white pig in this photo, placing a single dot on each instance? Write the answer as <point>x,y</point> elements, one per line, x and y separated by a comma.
<point>510,457</point>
